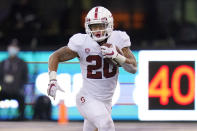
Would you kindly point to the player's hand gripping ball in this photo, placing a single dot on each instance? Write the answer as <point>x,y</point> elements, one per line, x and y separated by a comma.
<point>110,52</point>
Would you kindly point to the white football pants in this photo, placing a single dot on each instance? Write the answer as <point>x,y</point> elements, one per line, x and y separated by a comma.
<point>97,114</point>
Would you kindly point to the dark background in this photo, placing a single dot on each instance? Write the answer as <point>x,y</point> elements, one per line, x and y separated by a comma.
<point>151,24</point>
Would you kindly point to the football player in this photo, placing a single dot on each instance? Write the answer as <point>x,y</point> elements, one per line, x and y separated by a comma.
<point>99,76</point>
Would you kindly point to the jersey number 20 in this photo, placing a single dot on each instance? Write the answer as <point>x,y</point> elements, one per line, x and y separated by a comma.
<point>98,65</point>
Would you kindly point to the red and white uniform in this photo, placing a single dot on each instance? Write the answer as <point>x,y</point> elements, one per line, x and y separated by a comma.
<point>99,80</point>
<point>99,77</point>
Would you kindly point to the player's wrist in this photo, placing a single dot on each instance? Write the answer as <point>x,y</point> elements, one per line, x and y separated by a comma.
<point>120,59</point>
<point>52,76</point>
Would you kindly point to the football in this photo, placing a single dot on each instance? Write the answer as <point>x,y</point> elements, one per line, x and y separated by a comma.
<point>110,45</point>
<point>111,61</point>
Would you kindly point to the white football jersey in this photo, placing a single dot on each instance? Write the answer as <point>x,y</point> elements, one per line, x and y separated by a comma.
<point>99,76</point>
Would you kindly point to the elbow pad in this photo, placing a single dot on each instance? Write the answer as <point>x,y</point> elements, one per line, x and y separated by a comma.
<point>129,68</point>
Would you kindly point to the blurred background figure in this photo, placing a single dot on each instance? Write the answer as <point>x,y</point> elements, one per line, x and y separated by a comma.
<point>42,108</point>
<point>13,76</point>
<point>22,22</point>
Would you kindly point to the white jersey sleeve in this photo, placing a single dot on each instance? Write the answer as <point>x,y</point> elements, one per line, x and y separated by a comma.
<point>75,42</point>
<point>120,39</point>
<point>125,40</point>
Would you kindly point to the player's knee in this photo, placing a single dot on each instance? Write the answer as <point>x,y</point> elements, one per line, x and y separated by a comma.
<point>106,124</point>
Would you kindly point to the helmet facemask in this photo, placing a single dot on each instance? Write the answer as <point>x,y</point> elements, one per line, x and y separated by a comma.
<point>98,31</point>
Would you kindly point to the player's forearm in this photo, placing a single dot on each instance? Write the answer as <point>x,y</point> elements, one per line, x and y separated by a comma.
<point>53,65</point>
<point>131,61</point>
<point>130,64</point>
<point>129,68</point>
<point>53,62</point>
<point>60,55</point>
<point>127,56</point>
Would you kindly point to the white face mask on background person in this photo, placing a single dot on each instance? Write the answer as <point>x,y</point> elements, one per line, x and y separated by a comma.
<point>13,51</point>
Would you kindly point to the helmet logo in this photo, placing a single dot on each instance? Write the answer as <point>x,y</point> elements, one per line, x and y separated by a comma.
<point>87,50</point>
